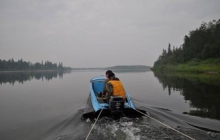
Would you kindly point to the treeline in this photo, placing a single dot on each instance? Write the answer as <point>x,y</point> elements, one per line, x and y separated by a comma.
<point>12,65</point>
<point>120,68</point>
<point>201,44</point>
<point>131,67</point>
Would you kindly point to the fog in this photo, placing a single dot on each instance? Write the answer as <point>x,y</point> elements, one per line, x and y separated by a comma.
<point>98,33</point>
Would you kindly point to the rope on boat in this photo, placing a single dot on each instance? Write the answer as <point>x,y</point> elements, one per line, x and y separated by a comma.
<point>93,125</point>
<point>164,124</point>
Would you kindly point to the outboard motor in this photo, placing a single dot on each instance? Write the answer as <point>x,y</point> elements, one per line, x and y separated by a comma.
<point>116,105</point>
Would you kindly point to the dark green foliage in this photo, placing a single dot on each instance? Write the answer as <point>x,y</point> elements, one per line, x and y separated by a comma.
<point>201,44</point>
<point>12,65</point>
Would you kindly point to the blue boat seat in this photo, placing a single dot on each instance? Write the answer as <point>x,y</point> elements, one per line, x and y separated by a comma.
<point>98,86</point>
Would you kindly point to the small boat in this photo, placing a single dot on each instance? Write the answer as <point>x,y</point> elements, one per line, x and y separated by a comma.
<point>115,107</point>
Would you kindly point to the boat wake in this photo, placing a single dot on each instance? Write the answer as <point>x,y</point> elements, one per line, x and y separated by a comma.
<point>106,128</point>
<point>140,128</point>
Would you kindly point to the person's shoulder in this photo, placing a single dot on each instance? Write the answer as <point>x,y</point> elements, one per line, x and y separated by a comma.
<point>109,84</point>
<point>116,78</point>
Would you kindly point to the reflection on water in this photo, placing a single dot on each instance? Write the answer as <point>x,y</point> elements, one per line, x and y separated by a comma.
<point>200,90</point>
<point>20,77</point>
<point>42,110</point>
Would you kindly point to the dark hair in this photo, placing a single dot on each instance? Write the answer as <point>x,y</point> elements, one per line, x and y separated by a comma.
<point>108,71</point>
<point>111,74</point>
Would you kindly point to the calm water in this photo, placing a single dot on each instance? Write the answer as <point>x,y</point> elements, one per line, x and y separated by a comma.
<point>49,105</point>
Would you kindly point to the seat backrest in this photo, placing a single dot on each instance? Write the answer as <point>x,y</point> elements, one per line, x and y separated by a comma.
<point>98,86</point>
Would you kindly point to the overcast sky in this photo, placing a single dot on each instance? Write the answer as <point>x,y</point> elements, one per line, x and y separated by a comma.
<point>98,33</point>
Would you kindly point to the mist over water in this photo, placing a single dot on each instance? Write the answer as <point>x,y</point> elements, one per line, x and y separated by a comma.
<point>50,108</point>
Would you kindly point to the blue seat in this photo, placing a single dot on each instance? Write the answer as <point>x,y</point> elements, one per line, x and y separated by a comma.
<point>98,86</point>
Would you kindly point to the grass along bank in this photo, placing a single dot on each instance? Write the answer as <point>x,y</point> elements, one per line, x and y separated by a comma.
<point>211,65</point>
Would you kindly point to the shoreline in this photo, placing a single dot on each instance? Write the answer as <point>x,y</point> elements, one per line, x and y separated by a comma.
<point>189,68</point>
<point>11,71</point>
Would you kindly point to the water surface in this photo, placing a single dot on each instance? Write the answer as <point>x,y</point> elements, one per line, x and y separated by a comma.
<point>49,106</point>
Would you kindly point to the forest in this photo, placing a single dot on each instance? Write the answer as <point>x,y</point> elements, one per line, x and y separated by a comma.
<point>201,45</point>
<point>20,65</point>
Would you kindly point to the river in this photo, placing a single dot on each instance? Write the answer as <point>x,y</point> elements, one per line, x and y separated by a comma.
<point>49,105</point>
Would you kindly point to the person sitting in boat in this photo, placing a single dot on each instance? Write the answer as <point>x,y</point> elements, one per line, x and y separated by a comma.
<point>114,87</point>
<point>106,81</point>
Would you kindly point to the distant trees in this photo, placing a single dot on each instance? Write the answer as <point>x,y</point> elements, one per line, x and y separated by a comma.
<point>200,44</point>
<point>129,67</point>
<point>23,65</point>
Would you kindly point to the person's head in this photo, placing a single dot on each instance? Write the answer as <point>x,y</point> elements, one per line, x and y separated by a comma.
<point>110,75</point>
<point>107,73</point>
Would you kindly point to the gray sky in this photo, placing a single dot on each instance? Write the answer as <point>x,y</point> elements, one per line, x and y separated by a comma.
<point>98,33</point>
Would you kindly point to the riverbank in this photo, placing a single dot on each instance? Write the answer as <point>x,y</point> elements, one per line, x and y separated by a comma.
<point>13,71</point>
<point>211,66</point>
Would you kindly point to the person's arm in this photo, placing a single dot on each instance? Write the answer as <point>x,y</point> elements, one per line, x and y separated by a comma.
<point>109,89</point>
<point>104,88</point>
